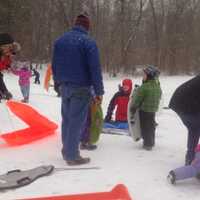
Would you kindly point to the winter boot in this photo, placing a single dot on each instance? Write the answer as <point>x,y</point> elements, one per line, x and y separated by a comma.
<point>25,100</point>
<point>7,95</point>
<point>148,148</point>
<point>79,161</point>
<point>87,146</point>
<point>171,177</point>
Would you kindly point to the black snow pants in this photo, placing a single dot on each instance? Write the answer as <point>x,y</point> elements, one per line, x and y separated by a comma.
<point>3,88</point>
<point>147,123</point>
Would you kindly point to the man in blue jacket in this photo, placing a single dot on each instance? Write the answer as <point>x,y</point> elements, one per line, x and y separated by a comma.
<point>76,67</point>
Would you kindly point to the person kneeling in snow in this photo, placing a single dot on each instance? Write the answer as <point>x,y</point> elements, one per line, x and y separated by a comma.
<point>188,171</point>
<point>120,102</point>
<point>185,102</point>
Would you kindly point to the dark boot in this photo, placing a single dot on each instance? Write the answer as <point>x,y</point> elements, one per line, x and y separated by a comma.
<point>171,177</point>
<point>78,161</point>
<point>7,95</point>
<point>87,146</point>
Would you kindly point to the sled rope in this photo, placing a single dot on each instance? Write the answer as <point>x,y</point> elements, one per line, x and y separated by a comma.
<point>58,169</point>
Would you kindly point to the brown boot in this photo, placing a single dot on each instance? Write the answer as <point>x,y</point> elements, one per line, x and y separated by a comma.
<point>78,161</point>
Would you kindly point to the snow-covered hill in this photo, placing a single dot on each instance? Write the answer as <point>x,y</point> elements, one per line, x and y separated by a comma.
<point>121,160</point>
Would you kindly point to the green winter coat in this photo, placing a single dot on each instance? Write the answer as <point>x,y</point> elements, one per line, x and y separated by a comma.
<point>148,95</point>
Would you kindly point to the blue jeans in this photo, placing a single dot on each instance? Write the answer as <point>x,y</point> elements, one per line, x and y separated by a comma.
<point>74,108</point>
<point>192,122</point>
<point>25,89</point>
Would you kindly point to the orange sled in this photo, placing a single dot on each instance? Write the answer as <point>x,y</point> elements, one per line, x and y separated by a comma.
<point>39,126</point>
<point>119,192</point>
<point>47,77</point>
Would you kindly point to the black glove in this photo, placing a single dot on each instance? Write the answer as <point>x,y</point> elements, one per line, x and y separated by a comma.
<point>107,119</point>
<point>133,110</point>
<point>57,88</point>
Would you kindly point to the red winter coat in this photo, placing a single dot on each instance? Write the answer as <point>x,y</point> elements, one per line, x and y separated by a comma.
<point>5,63</point>
<point>120,101</point>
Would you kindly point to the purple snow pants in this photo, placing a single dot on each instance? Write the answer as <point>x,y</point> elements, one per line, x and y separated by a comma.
<point>188,171</point>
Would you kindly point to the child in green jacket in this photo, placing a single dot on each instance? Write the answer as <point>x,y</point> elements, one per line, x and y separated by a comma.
<point>147,100</point>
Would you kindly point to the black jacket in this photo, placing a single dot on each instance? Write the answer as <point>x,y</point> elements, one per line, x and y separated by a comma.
<point>186,98</point>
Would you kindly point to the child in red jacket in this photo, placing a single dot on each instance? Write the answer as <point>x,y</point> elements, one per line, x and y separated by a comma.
<point>120,102</point>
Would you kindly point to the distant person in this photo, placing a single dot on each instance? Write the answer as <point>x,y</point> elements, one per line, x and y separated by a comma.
<point>188,171</point>
<point>147,99</point>
<point>24,80</point>
<point>37,76</point>
<point>186,103</point>
<point>8,49</point>
<point>119,102</point>
<point>76,67</point>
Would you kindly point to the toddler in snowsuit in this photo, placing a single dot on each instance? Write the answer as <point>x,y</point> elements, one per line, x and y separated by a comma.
<point>24,81</point>
<point>147,100</point>
<point>120,102</point>
<point>187,171</point>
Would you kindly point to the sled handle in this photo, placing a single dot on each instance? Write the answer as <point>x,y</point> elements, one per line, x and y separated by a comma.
<point>13,171</point>
<point>23,181</point>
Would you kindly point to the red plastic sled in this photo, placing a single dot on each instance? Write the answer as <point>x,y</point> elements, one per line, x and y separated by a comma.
<point>39,126</point>
<point>119,192</point>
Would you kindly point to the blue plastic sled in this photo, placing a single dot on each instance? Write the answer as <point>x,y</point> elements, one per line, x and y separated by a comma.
<point>118,125</point>
<point>116,128</point>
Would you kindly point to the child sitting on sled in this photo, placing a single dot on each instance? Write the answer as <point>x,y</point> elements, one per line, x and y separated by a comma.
<point>24,80</point>
<point>119,102</point>
<point>188,171</point>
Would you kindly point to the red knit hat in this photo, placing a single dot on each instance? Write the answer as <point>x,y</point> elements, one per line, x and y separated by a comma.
<point>83,20</point>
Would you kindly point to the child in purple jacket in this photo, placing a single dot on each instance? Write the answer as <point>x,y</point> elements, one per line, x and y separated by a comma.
<point>24,81</point>
<point>188,171</point>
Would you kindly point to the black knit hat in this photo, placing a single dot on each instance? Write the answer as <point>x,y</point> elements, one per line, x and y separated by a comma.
<point>83,20</point>
<point>6,38</point>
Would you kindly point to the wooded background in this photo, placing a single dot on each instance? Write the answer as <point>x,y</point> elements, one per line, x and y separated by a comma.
<point>129,33</point>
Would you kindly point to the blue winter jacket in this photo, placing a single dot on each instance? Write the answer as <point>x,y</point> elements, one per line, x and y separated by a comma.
<point>76,60</point>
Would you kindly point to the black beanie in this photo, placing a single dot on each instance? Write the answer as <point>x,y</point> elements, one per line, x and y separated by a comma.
<point>5,38</point>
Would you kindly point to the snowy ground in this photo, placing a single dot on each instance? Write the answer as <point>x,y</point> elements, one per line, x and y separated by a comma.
<point>121,160</point>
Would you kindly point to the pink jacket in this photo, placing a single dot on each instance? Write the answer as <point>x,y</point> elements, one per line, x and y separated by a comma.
<point>24,76</point>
